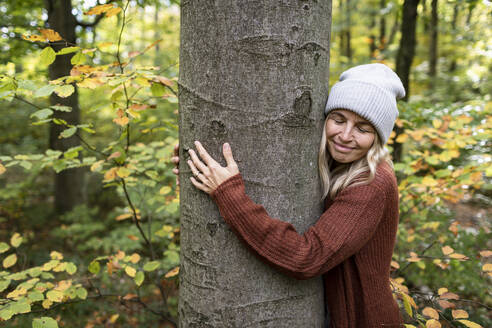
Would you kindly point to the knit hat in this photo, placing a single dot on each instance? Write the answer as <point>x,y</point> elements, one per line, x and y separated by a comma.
<point>370,91</point>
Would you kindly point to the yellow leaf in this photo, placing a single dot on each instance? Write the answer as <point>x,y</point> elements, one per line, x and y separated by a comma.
<point>50,34</point>
<point>56,255</point>
<point>64,91</point>
<point>402,138</point>
<point>97,166</point>
<point>122,217</point>
<point>17,292</point>
<point>395,265</point>
<point>46,303</point>
<point>34,38</point>
<point>487,267</point>
<point>110,174</point>
<point>130,271</point>
<point>442,290</point>
<point>120,255</point>
<point>165,190</point>
<point>54,295</point>
<point>432,323</point>
<point>16,240</point>
<point>436,123</point>
<point>430,312</point>
<point>459,314</point>
<point>90,83</point>
<point>445,304</point>
<point>172,273</point>
<point>446,250</point>
<point>409,326</point>
<point>9,261</point>
<point>458,256</point>
<point>98,10</point>
<point>134,258</point>
<point>429,181</point>
<point>470,324</point>
<point>113,11</point>
<point>121,119</point>
<point>63,285</point>
<point>113,318</point>
<point>123,172</point>
<point>2,169</point>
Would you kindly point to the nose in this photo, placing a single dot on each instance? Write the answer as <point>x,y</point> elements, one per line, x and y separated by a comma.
<point>346,133</point>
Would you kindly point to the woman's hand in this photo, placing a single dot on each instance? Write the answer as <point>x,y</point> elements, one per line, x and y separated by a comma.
<point>175,160</point>
<point>209,175</point>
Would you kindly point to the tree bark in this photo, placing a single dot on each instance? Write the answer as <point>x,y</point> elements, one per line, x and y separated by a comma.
<point>433,43</point>
<point>68,183</point>
<point>404,57</point>
<point>372,36</point>
<point>254,74</point>
<point>347,31</point>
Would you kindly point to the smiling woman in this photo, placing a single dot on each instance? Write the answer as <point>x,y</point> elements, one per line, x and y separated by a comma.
<point>351,244</point>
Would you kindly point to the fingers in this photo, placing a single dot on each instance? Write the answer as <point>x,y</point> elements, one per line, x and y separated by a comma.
<point>198,163</point>
<point>203,154</point>
<point>176,149</point>
<point>228,155</point>
<point>200,186</point>
<point>194,170</point>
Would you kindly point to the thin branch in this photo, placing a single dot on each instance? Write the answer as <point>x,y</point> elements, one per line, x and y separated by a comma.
<point>27,102</point>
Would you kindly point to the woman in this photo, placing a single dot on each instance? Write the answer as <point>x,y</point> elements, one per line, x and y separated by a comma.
<point>351,245</point>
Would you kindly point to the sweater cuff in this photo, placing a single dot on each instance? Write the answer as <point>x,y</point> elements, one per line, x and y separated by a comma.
<point>228,191</point>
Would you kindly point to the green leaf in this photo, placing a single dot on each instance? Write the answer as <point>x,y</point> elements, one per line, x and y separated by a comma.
<point>78,59</point>
<point>139,278</point>
<point>26,165</point>
<point>20,307</point>
<point>64,90</point>
<point>44,322</point>
<point>68,132</point>
<point>4,284</point>
<point>47,56</point>
<point>42,114</point>
<point>61,108</point>
<point>94,267</point>
<point>81,292</point>
<point>67,50</point>
<point>71,268</point>
<point>44,91</point>
<point>4,247</point>
<point>6,314</point>
<point>407,305</point>
<point>9,261</point>
<point>16,240</point>
<point>35,296</point>
<point>157,89</point>
<point>151,266</point>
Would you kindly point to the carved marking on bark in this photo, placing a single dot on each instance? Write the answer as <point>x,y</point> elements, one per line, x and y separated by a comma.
<point>265,46</point>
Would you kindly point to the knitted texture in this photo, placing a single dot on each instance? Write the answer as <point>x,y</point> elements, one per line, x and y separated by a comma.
<point>370,91</point>
<point>351,246</point>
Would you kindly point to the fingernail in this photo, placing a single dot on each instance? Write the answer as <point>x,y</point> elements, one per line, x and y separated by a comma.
<point>226,146</point>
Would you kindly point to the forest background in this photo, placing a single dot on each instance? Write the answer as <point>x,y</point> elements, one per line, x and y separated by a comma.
<point>108,254</point>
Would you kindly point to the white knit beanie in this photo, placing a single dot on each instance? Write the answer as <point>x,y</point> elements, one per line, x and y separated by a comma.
<point>370,91</point>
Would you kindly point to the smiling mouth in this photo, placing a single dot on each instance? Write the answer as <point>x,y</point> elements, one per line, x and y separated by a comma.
<point>342,148</point>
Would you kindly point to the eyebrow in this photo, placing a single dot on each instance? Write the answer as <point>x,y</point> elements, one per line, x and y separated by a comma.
<point>357,122</point>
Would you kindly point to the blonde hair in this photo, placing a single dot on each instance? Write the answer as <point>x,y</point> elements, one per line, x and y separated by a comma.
<point>361,171</point>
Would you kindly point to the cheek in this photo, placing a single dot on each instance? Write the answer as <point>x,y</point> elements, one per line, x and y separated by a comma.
<point>366,142</point>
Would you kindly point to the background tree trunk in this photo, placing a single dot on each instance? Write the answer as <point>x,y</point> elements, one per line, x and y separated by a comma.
<point>69,190</point>
<point>254,74</point>
<point>454,31</point>
<point>382,26</point>
<point>404,57</point>
<point>433,43</point>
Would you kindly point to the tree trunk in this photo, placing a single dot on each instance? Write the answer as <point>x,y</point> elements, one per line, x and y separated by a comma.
<point>348,33</point>
<point>454,31</point>
<point>433,43</point>
<point>254,74</point>
<point>382,26</point>
<point>68,183</point>
<point>394,29</point>
<point>372,36</point>
<point>404,57</point>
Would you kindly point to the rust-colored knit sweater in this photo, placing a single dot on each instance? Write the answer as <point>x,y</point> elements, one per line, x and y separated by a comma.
<point>351,246</point>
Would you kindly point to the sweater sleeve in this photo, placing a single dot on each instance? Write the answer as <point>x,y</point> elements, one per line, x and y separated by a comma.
<point>343,229</point>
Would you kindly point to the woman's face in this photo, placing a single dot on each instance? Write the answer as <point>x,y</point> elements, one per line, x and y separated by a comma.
<point>348,136</point>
